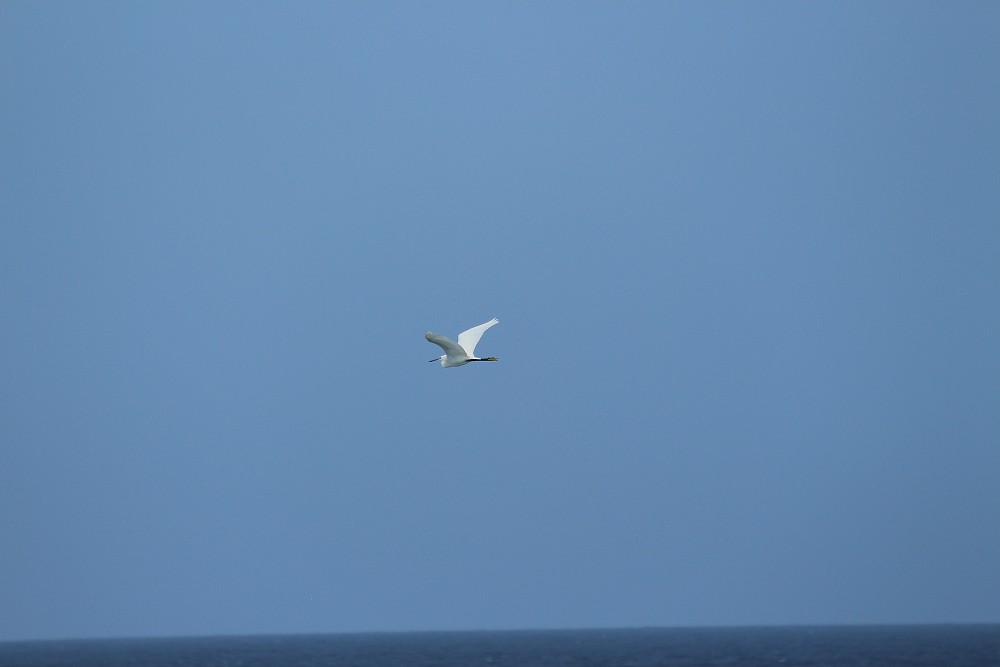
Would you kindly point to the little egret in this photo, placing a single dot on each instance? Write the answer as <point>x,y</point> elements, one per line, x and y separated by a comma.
<point>462,352</point>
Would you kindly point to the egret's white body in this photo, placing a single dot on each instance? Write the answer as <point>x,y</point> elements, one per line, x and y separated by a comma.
<point>464,351</point>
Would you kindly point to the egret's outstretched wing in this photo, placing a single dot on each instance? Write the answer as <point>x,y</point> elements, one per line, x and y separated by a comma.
<point>469,339</point>
<point>449,346</point>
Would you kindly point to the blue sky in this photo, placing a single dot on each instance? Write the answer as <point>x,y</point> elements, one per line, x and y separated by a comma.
<point>744,256</point>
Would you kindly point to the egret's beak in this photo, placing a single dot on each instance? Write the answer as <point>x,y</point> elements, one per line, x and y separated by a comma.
<point>433,360</point>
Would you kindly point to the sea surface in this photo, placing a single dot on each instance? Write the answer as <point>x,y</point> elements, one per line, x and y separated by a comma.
<point>820,646</point>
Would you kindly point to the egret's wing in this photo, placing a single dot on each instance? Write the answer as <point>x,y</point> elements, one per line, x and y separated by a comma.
<point>448,345</point>
<point>469,339</point>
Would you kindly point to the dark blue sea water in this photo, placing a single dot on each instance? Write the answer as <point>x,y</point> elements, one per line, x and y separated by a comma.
<point>902,646</point>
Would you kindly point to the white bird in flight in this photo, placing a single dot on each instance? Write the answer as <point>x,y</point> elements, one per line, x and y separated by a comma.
<point>462,352</point>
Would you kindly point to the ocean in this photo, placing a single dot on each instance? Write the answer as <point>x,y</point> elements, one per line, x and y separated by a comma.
<point>819,646</point>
